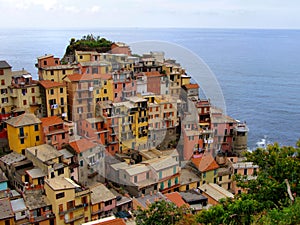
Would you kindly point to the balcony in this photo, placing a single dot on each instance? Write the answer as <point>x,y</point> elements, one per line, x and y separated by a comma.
<point>69,220</point>
<point>42,218</point>
<point>73,208</point>
<point>23,135</point>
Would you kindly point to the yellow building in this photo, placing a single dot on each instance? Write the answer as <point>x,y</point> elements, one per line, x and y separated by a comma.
<point>5,80</point>
<point>103,88</point>
<point>56,73</point>
<point>54,99</point>
<point>123,110</point>
<point>24,92</point>
<point>24,131</point>
<point>70,202</point>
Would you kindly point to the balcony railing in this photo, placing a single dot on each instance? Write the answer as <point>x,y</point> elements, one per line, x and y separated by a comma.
<point>73,208</point>
<point>69,220</point>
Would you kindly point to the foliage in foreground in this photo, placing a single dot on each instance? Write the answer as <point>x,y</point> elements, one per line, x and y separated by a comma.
<point>162,213</point>
<point>267,200</point>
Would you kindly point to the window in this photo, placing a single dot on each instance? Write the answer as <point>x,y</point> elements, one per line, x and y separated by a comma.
<point>147,175</point>
<point>80,57</point>
<point>4,100</point>
<point>63,136</point>
<point>174,169</point>
<point>123,85</point>
<point>60,208</point>
<point>45,62</point>
<point>105,91</point>
<point>215,172</point>
<point>37,138</point>
<point>235,171</point>
<point>1,72</point>
<point>7,222</point>
<point>2,82</point>
<point>60,195</point>
<point>60,171</point>
<point>81,162</point>
<point>64,72</point>
<point>220,178</point>
<point>24,102</point>
<point>22,141</point>
<point>61,90</point>
<point>116,95</point>
<point>215,180</point>
<point>135,179</point>
<point>245,171</point>
<point>107,203</point>
<point>204,175</point>
<point>162,185</point>
<point>169,183</point>
<point>51,91</point>
<point>70,204</point>
<point>52,72</point>
<point>105,82</point>
<point>116,86</point>
<point>160,174</point>
<point>36,127</point>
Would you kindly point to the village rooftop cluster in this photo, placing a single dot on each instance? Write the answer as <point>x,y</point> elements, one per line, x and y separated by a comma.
<point>100,134</point>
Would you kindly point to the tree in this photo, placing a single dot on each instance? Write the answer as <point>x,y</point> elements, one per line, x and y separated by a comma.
<point>269,197</point>
<point>160,213</point>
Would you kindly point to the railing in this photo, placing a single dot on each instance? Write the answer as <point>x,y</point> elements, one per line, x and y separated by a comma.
<point>73,208</point>
<point>69,220</point>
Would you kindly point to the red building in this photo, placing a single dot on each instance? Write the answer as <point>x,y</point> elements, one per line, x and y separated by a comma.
<point>153,82</point>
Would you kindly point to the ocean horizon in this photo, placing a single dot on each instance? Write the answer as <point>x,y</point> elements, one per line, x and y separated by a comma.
<point>258,69</point>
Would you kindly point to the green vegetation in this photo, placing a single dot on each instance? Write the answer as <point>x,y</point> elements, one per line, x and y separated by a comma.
<point>89,43</point>
<point>270,198</point>
<point>161,213</point>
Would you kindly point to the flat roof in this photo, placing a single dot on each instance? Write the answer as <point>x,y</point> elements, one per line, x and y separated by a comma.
<point>61,183</point>
<point>36,173</point>
<point>6,210</point>
<point>215,191</point>
<point>44,152</point>
<point>18,205</point>
<point>100,193</point>
<point>35,199</point>
<point>12,157</point>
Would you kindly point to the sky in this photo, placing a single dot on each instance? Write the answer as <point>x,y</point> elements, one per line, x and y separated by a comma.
<point>153,13</point>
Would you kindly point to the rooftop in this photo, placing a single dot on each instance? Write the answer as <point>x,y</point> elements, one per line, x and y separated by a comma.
<point>12,158</point>
<point>153,74</point>
<point>136,169</point>
<point>18,205</point>
<point>6,210</point>
<point>162,162</point>
<point>51,84</point>
<point>19,73</point>
<point>61,183</point>
<point>149,199</point>
<point>35,199</point>
<point>82,145</point>
<point>136,99</point>
<point>191,86</point>
<point>100,193</point>
<point>205,162</point>
<point>192,196</point>
<point>25,119</point>
<point>176,198</point>
<point>45,56</point>
<point>187,176</point>
<point>36,173</point>
<point>44,152</point>
<point>52,120</point>
<point>4,65</point>
<point>66,153</point>
<point>95,120</point>
<point>243,165</point>
<point>215,191</point>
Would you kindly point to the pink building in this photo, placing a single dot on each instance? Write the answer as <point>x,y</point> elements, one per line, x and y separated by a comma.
<point>120,48</point>
<point>124,85</point>
<point>55,132</point>
<point>153,82</point>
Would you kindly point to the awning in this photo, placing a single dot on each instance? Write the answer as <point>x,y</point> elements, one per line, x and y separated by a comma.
<point>26,76</point>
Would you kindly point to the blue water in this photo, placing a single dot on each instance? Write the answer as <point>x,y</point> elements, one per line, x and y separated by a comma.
<point>258,70</point>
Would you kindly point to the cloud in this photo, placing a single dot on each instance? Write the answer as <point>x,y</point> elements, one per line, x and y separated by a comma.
<point>94,9</point>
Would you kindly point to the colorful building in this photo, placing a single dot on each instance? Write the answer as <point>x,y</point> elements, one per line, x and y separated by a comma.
<point>55,132</point>
<point>50,68</point>
<point>207,166</point>
<point>103,201</point>
<point>54,99</point>
<point>48,159</point>
<point>24,131</point>
<point>70,202</point>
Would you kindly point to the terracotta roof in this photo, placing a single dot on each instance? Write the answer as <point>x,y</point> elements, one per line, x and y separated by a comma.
<point>205,163</point>
<point>191,86</point>
<point>117,221</point>
<point>23,120</point>
<point>44,57</point>
<point>82,145</point>
<point>50,121</point>
<point>176,198</point>
<point>50,84</point>
<point>153,74</point>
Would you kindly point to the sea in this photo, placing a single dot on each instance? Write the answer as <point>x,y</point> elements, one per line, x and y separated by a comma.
<point>257,70</point>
